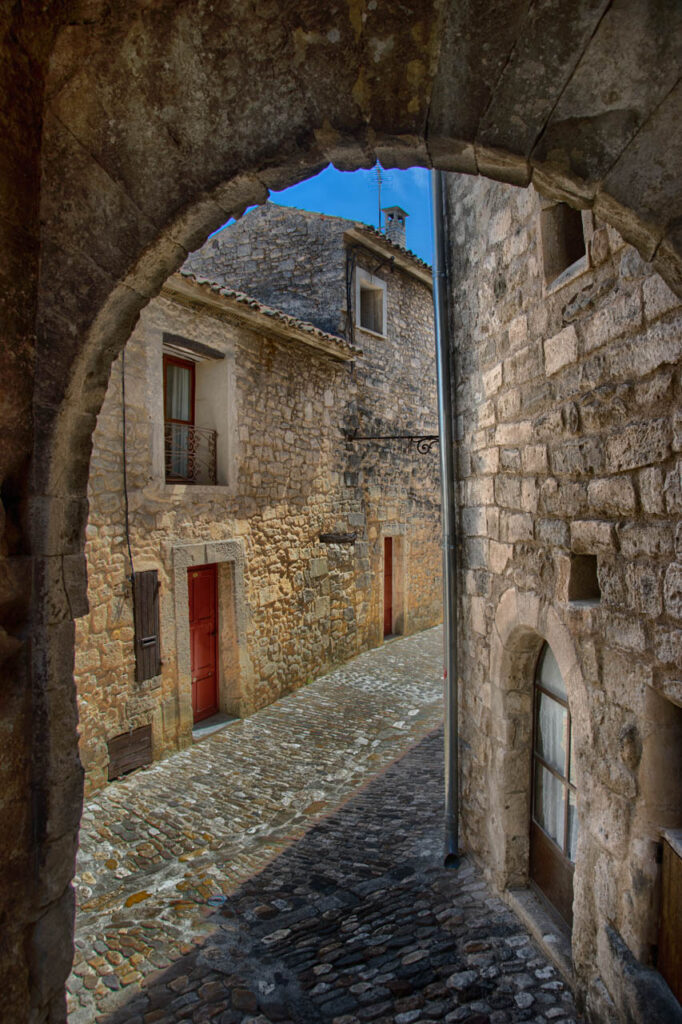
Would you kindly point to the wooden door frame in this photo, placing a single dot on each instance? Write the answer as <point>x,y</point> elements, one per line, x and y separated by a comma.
<point>387,545</point>
<point>538,838</point>
<point>238,699</point>
<point>187,364</point>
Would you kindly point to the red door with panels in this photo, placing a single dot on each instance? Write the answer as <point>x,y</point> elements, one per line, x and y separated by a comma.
<point>203,629</point>
<point>388,586</point>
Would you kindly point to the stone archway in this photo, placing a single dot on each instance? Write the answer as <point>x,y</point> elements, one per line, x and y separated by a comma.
<point>139,128</point>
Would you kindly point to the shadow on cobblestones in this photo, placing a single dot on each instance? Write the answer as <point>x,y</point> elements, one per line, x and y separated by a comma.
<point>358,921</point>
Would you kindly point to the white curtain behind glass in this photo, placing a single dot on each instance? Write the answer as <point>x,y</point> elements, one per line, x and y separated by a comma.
<point>178,407</point>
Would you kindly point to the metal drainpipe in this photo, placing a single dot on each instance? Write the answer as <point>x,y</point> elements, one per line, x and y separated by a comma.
<point>445,366</point>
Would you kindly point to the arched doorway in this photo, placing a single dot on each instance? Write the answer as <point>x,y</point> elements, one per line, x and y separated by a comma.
<point>554,817</point>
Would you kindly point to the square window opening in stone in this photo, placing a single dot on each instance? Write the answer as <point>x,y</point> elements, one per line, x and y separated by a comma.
<point>583,581</point>
<point>563,239</point>
<point>372,309</point>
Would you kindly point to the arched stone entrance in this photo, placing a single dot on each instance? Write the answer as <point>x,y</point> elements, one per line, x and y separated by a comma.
<point>135,130</point>
<point>523,623</point>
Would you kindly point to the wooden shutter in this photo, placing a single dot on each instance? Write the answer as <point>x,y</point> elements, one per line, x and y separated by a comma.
<point>670,931</point>
<point>129,751</point>
<point>146,607</point>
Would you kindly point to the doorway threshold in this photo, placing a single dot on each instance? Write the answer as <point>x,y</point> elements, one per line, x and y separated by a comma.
<point>207,726</point>
<point>551,934</point>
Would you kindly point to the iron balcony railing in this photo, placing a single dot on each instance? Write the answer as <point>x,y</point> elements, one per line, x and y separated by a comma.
<point>191,454</point>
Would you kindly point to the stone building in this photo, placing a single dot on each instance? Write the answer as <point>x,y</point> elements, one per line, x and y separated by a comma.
<point>568,354</point>
<point>265,545</point>
<point>132,131</point>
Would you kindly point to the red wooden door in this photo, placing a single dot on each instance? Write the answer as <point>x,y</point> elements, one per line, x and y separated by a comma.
<point>203,627</point>
<point>388,586</point>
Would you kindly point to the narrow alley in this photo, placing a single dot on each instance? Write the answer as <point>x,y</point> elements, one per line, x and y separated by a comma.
<point>289,869</point>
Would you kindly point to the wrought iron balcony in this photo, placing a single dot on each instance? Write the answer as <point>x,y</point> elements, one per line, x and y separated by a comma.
<point>191,454</point>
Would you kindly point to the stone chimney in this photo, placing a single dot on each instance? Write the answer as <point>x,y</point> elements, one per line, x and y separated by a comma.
<point>394,224</point>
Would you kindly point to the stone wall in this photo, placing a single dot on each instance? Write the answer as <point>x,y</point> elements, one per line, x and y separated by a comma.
<point>290,259</point>
<point>124,196</point>
<point>569,422</point>
<point>301,605</point>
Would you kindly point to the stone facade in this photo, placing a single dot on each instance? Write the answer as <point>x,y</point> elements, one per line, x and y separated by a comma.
<point>570,467</point>
<point>290,605</point>
<point>132,132</point>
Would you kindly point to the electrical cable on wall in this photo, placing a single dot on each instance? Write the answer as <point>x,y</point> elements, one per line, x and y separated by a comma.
<point>350,273</point>
<point>125,472</point>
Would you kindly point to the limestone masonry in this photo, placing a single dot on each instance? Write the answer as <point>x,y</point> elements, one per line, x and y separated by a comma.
<point>570,467</point>
<point>297,518</point>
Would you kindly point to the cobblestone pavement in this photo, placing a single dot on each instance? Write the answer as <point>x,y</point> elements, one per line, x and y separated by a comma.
<point>275,873</point>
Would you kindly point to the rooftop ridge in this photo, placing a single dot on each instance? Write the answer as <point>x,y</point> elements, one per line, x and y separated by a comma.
<point>271,312</point>
<point>349,222</point>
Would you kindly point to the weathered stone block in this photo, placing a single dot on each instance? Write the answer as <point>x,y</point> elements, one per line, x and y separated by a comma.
<point>514,434</point>
<point>518,332</point>
<point>485,461</point>
<point>578,458</point>
<point>652,540</point>
<point>651,489</point>
<point>589,536</point>
<point>516,526</point>
<point>499,555</point>
<point>508,491</point>
<point>477,611</point>
<point>492,380</point>
<point>625,631</point>
<point>658,298</point>
<point>614,495</point>
<point>534,458</point>
<point>510,458</point>
<point>672,590</point>
<point>561,350</point>
<point>623,313</point>
<point>552,532</point>
<point>644,589</point>
<point>638,444</point>
<point>668,645</point>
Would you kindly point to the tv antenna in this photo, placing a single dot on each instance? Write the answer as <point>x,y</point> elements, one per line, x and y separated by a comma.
<point>380,180</point>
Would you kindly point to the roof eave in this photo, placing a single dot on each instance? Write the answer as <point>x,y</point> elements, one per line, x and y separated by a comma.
<point>183,289</point>
<point>398,258</point>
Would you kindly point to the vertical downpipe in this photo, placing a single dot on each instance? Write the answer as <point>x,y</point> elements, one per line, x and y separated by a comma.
<point>446,388</point>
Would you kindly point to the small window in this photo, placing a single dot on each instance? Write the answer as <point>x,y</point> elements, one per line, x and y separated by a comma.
<point>583,582</point>
<point>371,303</point>
<point>563,240</point>
<point>372,309</point>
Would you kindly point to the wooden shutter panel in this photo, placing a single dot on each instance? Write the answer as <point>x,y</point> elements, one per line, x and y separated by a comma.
<point>129,751</point>
<point>146,608</point>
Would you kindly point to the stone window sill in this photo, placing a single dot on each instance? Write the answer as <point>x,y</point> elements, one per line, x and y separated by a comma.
<point>568,276</point>
<point>366,330</point>
<point>189,491</point>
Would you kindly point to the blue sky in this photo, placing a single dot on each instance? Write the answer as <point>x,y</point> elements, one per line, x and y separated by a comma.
<point>353,194</point>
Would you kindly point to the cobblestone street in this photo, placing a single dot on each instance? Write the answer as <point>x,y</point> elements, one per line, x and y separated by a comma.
<point>277,872</point>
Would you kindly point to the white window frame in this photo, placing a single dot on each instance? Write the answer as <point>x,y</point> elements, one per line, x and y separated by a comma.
<point>365,280</point>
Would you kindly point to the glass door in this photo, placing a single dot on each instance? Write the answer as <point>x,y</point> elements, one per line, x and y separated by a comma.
<point>554,820</point>
<point>178,399</point>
